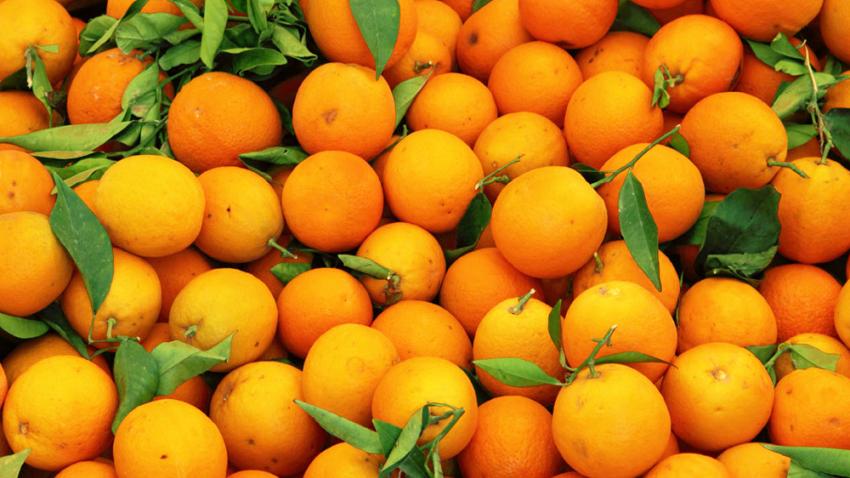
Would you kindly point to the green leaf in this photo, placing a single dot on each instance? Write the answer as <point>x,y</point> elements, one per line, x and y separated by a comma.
<point>680,144</point>
<point>141,93</point>
<point>783,47</point>
<point>660,96</point>
<point>144,32</point>
<point>741,265</point>
<point>471,226</point>
<point>38,81</point>
<point>77,137</point>
<point>136,376</point>
<point>832,66</point>
<point>288,42</point>
<point>764,52</point>
<point>516,372</point>
<point>554,324</point>
<point>763,352</point>
<point>85,239</point>
<point>797,471</point>
<point>634,18</point>
<point>799,134</point>
<point>639,229</point>
<point>807,356</point>
<point>94,160</point>
<point>94,30</point>
<point>696,235</point>
<point>838,123</point>
<point>55,319</point>
<point>191,12</point>
<point>215,21</point>
<point>479,4</point>
<point>589,173</point>
<point>791,67</point>
<point>286,271</point>
<point>824,460</point>
<point>406,441</point>
<point>629,357</point>
<point>178,361</point>
<point>797,94</point>
<point>10,465</point>
<point>378,21</point>
<point>22,328</point>
<point>258,11</point>
<point>404,93</point>
<point>277,155</point>
<point>249,59</point>
<point>352,433</point>
<point>182,54</point>
<point>365,266</point>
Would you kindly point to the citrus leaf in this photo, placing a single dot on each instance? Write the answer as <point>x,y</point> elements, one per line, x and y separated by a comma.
<point>215,21</point>
<point>516,372</point>
<point>378,21</point>
<point>838,123</point>
<point>286,271</point>
<point>554,325</point>
<point>38,81</point>
<point>22,328</point>
<point>479,4</point>
<point>404,93</point>
<point>406,441</point>
<point>97,28</point>
<point>54,318</point>
<point>191,12</point>
<point>824,460</point>
<point>696,234</point>
<point>794,96</point>
<point>10,465</point>
<point>783,47</point>
<point>277,155</point>
<point>256,58</point>
<point>136,376</point>
<point>807,356</point>
<point>741,265</point>
<point>638,228</point>
<point>471,226</point>
<point>352,433</point>
<point>763,352</point>
<point>680,144</point>
<point>178,361</point>
<point>387,434</point>
<point>589,173</point>
<point>791,67</point>
<point>365,266</point>
<point>629,357</point>
<point>634,18</point>
<point>797,471</point>
<point>83,170</point>
<point>181,54</point>
<point>75,137</point>
<point>799,134</point>
<point>764,53</point>
<point>140,94</point>
<point>290,44</point>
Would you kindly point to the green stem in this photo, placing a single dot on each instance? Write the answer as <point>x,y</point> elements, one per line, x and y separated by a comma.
<point>599,265</point>
<point>824,135</point>
<point>494,176</point>
<point>284,252</point>
<point>517,309</point>
<point>590,361</point>
<point>789,165</point>
<point>779,351</point>
<point>110,323</point>
<point>191,331</point>
<point>607,179</point>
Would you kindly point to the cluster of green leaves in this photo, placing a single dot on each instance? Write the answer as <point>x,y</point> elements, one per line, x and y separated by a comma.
<point>634,18</point>
<point>802,356</point>
<point>814,462</point>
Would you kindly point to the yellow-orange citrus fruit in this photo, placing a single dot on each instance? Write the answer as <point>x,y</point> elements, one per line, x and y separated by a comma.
<point>438,19</point>
<point>343,461</point>
<point>762,80</point>
<point>29,352</point>
<point>25,184</point>
<point>842,315</point>
<point>455,103</point>
<point>688,7</point>
<point>87,192</point>
<point>802,298</point>
<point>174,272</point>
<point>487,34</point>
<point>251,474</point>
<point>753,459</point>
<point>574,24</point>
<point>194,391</point>
<point>825,344</point>
<point>36,23</point>
<point>20,113</point>
<point>117,8</point>
<point>616,51</point>
<point>833,19</point>
<point>837,96</point>
<point>803,416</point>
<point>762,20</point>
<point>261,268</point>
<point>89,469</point>
<point>4,385</point>
<point>683,465</point>
<point>428,55</point>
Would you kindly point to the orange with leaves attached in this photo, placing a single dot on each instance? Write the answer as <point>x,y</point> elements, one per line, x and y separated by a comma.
<point>342,461</point>
<point>43,24</point>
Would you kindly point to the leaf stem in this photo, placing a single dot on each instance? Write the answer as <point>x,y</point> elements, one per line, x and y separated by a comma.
<point>590,361</point>
<point>517,309</point>
<point>284,252</point>
<point>190,331</point>
<point>494,176</point>
<point>598,264</point>
<point>789,165</point>
<point>824,135</point>
<point>610,177</point>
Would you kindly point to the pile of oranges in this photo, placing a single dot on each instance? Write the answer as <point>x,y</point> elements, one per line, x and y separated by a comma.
<point>424,238</point>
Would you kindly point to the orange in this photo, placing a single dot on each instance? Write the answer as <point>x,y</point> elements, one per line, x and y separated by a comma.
<point>837,96</point>
<point>725,310</point>
<point>438,19</point>
<point>20,113</point>
<point>174,272</point>
<point>206,131</point>
<point>194,391</point>
<point>26,23</point>
<point>612,423</point>
<point>658,3</point>
<point>704,51</point>
<point>683,465</point>
<point>513,438</point>
<point>343,461</point>
<point>422,329</point>
<point>216,305</point>
<point>832,21</point>
<point>616,51</point>
<point>529,137</point>
<point>753,459</point>
<point>130,309</point>
<point>842,315</point>
<point>802,298</point>
<point>762,20</point>
<point>462,7</point>
<point>168,439</point>
<point>571,25</point>
<point>803,417</point>
<point>117,8</point>
<point>675,205</point>
<point>335,31</point>
<point>332,201</point>
<point>4,385</point>
<point>261,268</point>
<point>732,138</point>
<point>251,474</point>
<point>88,469</point>
<point>824,343</point>
<point>344,107</point>
<point>610,101</point>
<point>242,214</point>
<point>512,329</point>
<point>61,389</point>
<point>34,268</point>
<point>762,81</point>
<point>29,352</point>
<point>455,103</point>
<point>537,77</point>
<point>529,216</point>
<point>615,263</point>
<point>643,325</point>
<point>151,206</point>
<point>413,254</point>
<point>688,7</point>
<point>315,301</point>
<point>411,384</point>
<point>428,55</point>
<point>87,191</point>
<point>262,427</point>
<point>813,229</point>
<point>25,184</point>
<point>487,34</point>
<point>718,394</point>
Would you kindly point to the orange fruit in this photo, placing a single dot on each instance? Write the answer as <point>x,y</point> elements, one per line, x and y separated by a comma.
<point>422,329</point>
<point>762,20</point>
<point>824,343</point>
<point>762,81</point>
<point>20,113</point>
<point>411,384</point>
<point>344,107</point>
<point>675,205</point>
<point>26,23</point>
<point>513,438</point>
<point>643,325</point>
<point>537,77</point>
<point>117,8</point>
<point>529,215</point>
<point>753,459</point>
<point>802,298</point>
<point>30,352</point>
<point>62,389</point>
<point>194,391</point>
<point>187,439</point>
<point>428,55</point>
<point>455,103</point>
<point>251,474</point>
<point>206,132</point>
<point>25,184</point>
<point>568,24</point>
<point>512,329</point>
<point>487,34</point>
<point>813,229</point>
<point>658,3</point>
<point>612,423</point>
<point>833,19</point>
<point>317,300</point>
<point>462,7</point>
<point>725,310</point>
<point>704,51</point>
<point>842,315</point>
<point>151,206</point>
<point>688,7</point>
<point>215,305</point>
<point>343,461</point>
<point>87,192</point>
<point>616,51</point>
<point>610,101</point>
<point>34,267</point>
<point>261,268</point>
<point>837,96</point>
<point>174,272</point>
<point>683,465</point>
<point>262,427</point>
<point>801,416</point>
<point>4,385</point>
<point>438,19</point>
<point>719,395</point>
<point>88,469</point>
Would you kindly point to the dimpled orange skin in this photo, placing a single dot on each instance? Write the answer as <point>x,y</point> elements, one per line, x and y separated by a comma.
<point>802,297</point>
<point>762,20</point>
<point>151,206</point>
<point>89,469</point>
<point>343,107</point>
<point>538,77</point>
<point>455,103</point>
<point>529,218</point>
<point>513,438</point>
<point>254,407</point>
<point>688,7</point>
<point>20,113</point>
<point>675,205</point>
<point>812,408</point>
<point>842,314</point>
<point>833,27</point>
<point>753,459</point>
<point>411,384</point>
<point>37,23</point>
<point>704,50</point>
<point>422,329</point>
<point>838,96</point>
<point>62,389</point>
<point>503,333</point>
<point>428,55</point>
<point>617,51</point>
<point>261,268</point>
<point>439,20</point>
<point>732,150</point>
<point>344,461</point>
<point>571,25</point>
<point>683,465</point>
<point>87,192</point>
<point>813,229</point>
<point>315,301</point>
<point>409,251</point>
<point>25,184</point>
<point>610,101</point>
<point>643,325</point>
<point>487,34</point>
<point>117,8</point>
<point>188,439</point>
<point>30,352</point>
<point>824,343</point>
<point>4,385</point>
<point>251,474</point>
<point>194,391</point>
<point>205,132</point>
<point>174,272</point>
<point>718,394</point>
<point>612,425</point>
<point>98,86</point>
<point>332,201</point>
<point>34,267</point>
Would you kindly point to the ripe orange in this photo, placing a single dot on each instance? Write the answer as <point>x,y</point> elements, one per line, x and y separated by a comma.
<point>569,24</point>
<point>20,113</point>
<point>753,459</point>
<point>762,20</point>
<point>802,298</point>
<point>343,461</point>
<point>438,19</point>
<point>688,7</point>
<point>832,21</point>
<point>26,23</point>
<point>842,315</point>
<point>684,465</point>
<point>837,96</point>
<point>87,192</point>
<point>89,469</point>
<point>487,34</point>
<point>462,7</point>
<point>117,8</point>
<point>825,344</point>
<point>802,417</point>
<point>455,103</point>
<point>174,272</point>
<point>762,81</point>
<point>25,184</point>
<point>427,55</point>
<point>261,268</point>
<point>194,391</point>
<point>251,474</point>
<point>616,51</point>
<point>29,352</point>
